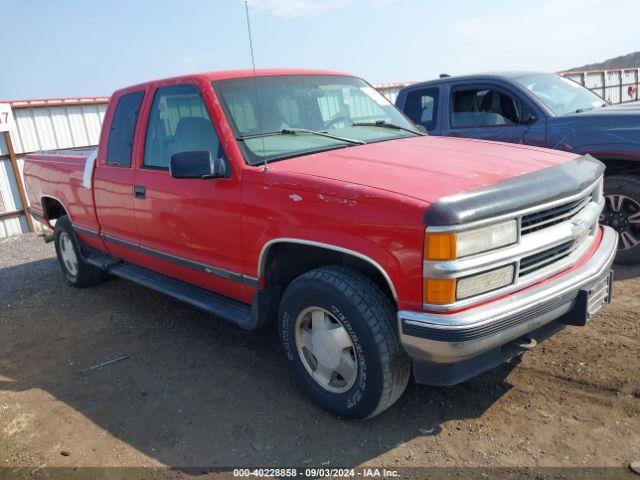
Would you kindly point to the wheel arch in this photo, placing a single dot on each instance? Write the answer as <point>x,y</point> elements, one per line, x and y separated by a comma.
<point>617,164</point>
<point>294,247</point>
<point>53,208</point>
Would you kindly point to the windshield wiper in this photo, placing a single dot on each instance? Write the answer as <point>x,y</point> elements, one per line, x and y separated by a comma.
<point>296,131</point>
<point>385,124</point>
<point>586,109</point>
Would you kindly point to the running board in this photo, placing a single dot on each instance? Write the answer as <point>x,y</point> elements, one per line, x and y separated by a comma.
<point>103,261</point>
<point>235,312</point>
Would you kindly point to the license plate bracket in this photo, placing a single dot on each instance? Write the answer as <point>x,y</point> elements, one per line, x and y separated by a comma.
<point>590,300</point>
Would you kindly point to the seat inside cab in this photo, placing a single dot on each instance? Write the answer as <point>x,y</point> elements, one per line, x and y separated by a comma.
<point>482,108</point>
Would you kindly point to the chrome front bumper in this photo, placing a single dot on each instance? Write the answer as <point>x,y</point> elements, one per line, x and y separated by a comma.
<point>440,338</point>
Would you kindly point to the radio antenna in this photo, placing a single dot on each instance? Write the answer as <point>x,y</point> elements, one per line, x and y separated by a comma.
<point>255,85</point>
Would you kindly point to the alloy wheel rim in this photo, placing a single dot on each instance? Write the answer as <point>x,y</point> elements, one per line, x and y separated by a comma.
<point>622,213</point>
<point>68,254</point>
<point>326,350</point>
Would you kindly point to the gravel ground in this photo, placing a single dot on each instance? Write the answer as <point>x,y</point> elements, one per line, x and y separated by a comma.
<point>195,391</point>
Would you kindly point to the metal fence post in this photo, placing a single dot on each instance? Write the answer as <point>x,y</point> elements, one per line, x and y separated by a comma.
<point>16,173</point>
<point>620,77</point>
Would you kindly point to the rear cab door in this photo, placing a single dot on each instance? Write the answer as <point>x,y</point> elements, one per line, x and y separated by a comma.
<point>114,174</point>
<point>423,107</point>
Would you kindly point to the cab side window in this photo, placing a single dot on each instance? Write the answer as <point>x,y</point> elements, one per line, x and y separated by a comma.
<point>483,107</point>
<point>421,107</point>
<point>123,127</point>
<point>178,122</point>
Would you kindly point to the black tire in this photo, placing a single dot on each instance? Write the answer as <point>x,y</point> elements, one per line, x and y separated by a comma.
<point>628,186</point>
<point>383,368</point>
<point>85,274</point>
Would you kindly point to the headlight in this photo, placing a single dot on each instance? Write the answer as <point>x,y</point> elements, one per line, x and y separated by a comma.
<point>452,245</point>
<point>484,282</point>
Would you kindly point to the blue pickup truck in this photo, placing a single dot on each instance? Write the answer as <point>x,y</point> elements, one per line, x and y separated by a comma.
<point>544,110</point>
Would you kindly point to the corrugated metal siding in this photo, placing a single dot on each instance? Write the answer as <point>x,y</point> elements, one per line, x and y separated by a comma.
<point>11,201</point>
<point>3,146</point>
<point>594,81</point>
<point>43,128</point>
<point>57,127</point>
<point>576,77</point>
<point>612,89</point>
<point>630,78</point>
<point>390,90</point>
<point>615,86</point>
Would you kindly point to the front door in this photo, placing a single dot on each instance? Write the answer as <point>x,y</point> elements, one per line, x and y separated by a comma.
<point>188,228</point>
<point>487,113</point>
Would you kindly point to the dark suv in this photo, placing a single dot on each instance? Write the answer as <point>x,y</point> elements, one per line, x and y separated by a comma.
<point>545,110</point>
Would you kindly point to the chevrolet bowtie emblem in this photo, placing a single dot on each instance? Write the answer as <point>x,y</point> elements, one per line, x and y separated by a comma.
<point>579,228</point>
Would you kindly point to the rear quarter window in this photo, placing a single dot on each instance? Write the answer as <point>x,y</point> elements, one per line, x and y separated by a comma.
<point>123,127</point>
<point>421,106</point>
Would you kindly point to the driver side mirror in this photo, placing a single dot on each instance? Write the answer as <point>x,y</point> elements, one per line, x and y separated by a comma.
<point>196,164</point>
<point>530,118</point>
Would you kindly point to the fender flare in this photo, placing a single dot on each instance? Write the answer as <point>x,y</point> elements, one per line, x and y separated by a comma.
<point>267,246</point>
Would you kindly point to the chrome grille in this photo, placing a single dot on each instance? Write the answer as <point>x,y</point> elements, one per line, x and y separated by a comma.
<point>551,238</point>
<point>552,216</point>
<point>542,259</point>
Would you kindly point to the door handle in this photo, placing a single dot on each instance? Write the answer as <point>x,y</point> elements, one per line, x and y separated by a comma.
<point>139,191</point>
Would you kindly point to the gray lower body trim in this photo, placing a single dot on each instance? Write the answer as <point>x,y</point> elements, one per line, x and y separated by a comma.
<point>201,267</point>
<point>250,281</point>
<point>86,231</point>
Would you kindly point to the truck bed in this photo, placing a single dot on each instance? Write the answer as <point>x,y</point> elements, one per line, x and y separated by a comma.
<point>65,176</point>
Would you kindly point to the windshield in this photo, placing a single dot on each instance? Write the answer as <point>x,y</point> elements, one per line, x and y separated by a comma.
<point>560,94</point>
<point>294,110</point>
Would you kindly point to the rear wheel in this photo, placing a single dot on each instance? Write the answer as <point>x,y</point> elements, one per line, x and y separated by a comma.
<point>339,333</point>
<point>622,213</point>
<point>77,272</point>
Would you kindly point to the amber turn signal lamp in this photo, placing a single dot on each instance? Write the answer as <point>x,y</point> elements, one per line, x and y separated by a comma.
<point>439,291</point>
<point>440,246</point>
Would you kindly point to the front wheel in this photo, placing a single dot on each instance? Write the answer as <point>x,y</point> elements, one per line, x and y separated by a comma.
<point>339,333</point>
<point>622,213</point>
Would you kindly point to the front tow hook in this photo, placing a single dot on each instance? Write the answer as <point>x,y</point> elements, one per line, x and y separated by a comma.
<point>524,343</point>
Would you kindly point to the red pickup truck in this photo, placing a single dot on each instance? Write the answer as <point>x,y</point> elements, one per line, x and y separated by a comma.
<point>306,199</point>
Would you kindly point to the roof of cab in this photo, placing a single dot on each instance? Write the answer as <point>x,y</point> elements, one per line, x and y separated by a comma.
<point>231,74</point>
<point>267,72</point>
<point>506,75</point>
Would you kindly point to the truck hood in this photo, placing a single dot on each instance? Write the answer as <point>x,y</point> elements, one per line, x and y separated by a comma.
<point>620,109</point>
<point>613,124</point>
<point>425,168</point>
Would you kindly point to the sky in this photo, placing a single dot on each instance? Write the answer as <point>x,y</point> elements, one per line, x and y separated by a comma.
<point>68,48</point>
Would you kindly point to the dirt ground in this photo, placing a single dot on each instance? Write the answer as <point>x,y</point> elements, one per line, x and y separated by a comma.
<point>195,391</point>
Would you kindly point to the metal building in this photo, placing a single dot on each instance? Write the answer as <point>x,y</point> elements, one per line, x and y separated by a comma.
<point>42,125</point>
<point>390,90</point>
<point>615,86</point>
